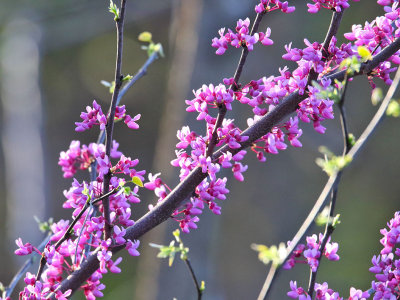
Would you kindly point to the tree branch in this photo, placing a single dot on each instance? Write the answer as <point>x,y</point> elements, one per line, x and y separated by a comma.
<point>110,122</point>
<point>163,210</point>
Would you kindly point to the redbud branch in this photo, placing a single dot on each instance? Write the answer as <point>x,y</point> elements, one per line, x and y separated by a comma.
<point>235,86</point>
<point>162,211</point>
<point>329,228</point>
<point>70,228</point>
<point>110,122</point>
<point>328,232</point>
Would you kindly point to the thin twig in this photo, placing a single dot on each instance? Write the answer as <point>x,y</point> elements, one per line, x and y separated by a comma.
<point>196,283</point>
<point>70,228</point>
<point>139,74</point>
<point>110,122</point>
<point>329,228</point>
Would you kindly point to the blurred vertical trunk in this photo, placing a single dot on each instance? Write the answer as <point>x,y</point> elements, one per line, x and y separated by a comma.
<point>22,131</point>
<point>183,47</point>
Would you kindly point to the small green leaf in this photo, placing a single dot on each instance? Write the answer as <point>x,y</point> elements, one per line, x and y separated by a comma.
<point>336,221</point>
<point>171,259</point>
<point>202,286</point>
<point>376,96</point>
<point>323,217</point>
<point>272,254</point>
<point>155,245</point>
<point>127,78</point>
<point>105,83</point>
<point>145,37</point>
<point>351,139</point>
<point>331,164</point>
<point>393,109</point>
<point>127,190</point>
<point>114,10</point>
<point>176,234</point>
<point>136,180</point>
<point>44,226</point>
<point>159,49</point>
<point>364,53</point>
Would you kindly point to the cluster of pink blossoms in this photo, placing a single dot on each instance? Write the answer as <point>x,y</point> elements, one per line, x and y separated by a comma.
<point>323,292</point>
<point>386,266</point>
<point>242,37</point>
<point>310,253</point>
<point>337,5</point>
<point>262,95</point>
<point>80,158</point>
<point>94,116</point>
<point>269,5</point>
<point>86,235</point>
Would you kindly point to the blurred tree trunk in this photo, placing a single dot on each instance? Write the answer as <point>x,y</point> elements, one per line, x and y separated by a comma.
<point>183,47</point>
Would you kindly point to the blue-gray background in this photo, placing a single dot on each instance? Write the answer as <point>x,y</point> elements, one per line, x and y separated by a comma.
<point>53,56</point>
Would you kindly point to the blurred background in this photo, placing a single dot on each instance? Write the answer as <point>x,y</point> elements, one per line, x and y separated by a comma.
<point>53,55</point>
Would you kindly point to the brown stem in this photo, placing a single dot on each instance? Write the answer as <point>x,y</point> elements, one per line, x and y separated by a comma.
<point>196,283</point>
<point>110,122</point>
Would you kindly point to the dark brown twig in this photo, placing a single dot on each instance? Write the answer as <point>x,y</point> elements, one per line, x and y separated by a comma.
<point>110,122</point>
<point>196,283</point>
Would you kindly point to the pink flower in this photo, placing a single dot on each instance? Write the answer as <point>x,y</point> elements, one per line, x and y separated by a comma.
<point>132,247</point>
<point>24,249</point>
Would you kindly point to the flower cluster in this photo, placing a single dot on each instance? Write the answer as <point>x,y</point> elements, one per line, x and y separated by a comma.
<point>80,158</point>
<point>377,35</point>
<point>386,266</point>
<point>310,253</point>
<point>85,237</point>
<point>242,37</point>
<point>262,95</point>
<point>269,5</point>
<point>86,234</point>
<point>337,5</point>
<point>94,116</point>
<point>323,292</point>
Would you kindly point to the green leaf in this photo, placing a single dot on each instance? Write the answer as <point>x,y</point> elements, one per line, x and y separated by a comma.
<point>331,164</point>
<point>393,109</point>
<point>145,37</point>
<point>376,96</point>
<point>351,139</point>
<point>336,221</point>
<point>323,217</point>
<point>136,180</point>
<point>364,53</point>
<point>127,78</point>
<point>114,10</point>
<point>272,254</point>
<point>202,286</point>
<point>44,226</point>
